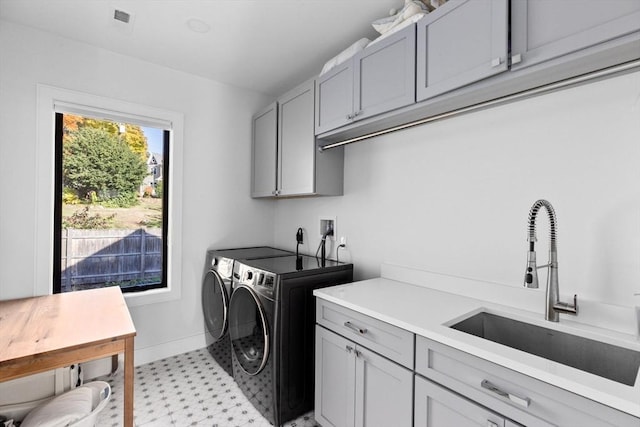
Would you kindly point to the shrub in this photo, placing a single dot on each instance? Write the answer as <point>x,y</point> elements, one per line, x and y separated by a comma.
<point>81,219</point>
<point>159,189</point>
<point>122,200</point>
<point>69,196</point>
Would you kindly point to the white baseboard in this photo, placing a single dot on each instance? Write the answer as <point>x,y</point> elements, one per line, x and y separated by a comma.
<point>101,367</point>
<point>168,349</point>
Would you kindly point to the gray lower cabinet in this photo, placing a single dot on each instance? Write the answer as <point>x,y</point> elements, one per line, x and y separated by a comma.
<point>463,42</point>
<point>285,159</point>
<point>545,29</point>
<point>366,375</point>
<point>436,406</point>
<point>357,387</point>
<point>376,80</point>
<point>508,393</point>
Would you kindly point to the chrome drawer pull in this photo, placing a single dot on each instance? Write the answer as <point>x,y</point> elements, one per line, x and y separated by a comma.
<point>355,328</point>
<point>522,401</point>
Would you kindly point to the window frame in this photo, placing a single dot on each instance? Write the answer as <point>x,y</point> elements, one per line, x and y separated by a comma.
<point>52,100</point>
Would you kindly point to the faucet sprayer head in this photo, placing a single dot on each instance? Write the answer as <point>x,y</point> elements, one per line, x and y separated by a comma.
<point>531,273</point>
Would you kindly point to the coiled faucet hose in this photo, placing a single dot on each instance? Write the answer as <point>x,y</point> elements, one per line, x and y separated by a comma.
<point>533,213</point>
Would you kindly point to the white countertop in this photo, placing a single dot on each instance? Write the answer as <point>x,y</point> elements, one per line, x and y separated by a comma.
<point>427,312</point>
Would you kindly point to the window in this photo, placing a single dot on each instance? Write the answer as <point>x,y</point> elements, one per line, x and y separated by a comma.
<point>54,104</point>
<point>110,221</point>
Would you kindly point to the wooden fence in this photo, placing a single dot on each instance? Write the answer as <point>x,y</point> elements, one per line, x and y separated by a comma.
<point>91,258</point>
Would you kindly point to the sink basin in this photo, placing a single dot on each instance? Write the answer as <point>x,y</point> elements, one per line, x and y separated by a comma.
<point>605,360</point>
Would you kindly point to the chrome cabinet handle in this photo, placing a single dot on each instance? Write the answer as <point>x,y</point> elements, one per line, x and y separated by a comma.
<point>350,116</point>
<point>349,349</point>
<point>358,353</point>
<point>357,113</point>
<point>522,401</point>
<point>355,328</point>
<point>515,59</point>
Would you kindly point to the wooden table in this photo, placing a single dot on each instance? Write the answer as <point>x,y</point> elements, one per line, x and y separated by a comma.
<point>43,333</point>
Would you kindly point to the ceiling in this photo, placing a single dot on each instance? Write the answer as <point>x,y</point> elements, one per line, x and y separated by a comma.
<point>268,46</point>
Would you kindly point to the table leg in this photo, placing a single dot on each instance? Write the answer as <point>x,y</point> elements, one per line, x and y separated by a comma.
<point>114,364</point>
<point>128,382</point>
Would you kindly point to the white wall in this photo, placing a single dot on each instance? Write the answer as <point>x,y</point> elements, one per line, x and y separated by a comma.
<point>453,197</point>
<point>217,209</point>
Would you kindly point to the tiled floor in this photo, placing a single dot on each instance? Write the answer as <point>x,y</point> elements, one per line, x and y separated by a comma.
<point>186,390</point>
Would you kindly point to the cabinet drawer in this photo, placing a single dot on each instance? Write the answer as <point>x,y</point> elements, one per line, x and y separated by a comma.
<point>436,406</point>
<point>465,374</point>
<point>383,338</point>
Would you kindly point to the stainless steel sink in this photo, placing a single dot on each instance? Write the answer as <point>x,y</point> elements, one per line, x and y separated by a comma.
<point>605,360</point>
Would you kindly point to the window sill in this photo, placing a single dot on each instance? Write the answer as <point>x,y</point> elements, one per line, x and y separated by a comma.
<point>151,296</point>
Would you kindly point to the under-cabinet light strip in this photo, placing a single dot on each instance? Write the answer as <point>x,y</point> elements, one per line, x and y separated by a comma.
<point>627,66</point>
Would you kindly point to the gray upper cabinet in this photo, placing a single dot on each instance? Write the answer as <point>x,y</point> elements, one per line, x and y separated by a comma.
<point>376,80</point>
<point>545,29</point>
<point>465,41</point>
<point>296,142</point>
<point>385,74</point>
<point>285,159</point>
<point>263,159</point>
<point>334,98</point>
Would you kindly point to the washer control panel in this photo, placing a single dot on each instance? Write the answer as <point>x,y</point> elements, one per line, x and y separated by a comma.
<point>262,282</point>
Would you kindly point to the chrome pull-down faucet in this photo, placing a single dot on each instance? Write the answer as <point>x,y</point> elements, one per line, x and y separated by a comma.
<point>553,306</point>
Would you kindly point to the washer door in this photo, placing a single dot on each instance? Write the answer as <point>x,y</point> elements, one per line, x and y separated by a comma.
<point>215,304</point>
<point>248,330</point>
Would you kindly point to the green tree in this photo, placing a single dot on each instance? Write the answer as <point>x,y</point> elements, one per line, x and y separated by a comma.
<point>97,161</point>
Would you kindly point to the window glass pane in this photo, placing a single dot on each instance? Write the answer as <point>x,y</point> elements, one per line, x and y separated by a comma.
<point>111,205</point>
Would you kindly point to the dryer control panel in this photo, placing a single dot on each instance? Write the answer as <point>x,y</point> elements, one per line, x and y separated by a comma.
<point>224,266</point>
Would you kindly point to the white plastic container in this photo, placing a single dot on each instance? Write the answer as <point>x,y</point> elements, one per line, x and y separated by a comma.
<point>101,395</point>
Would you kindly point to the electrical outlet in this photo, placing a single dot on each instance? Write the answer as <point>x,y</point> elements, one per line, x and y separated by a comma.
<point>343,240</point>
<point>328,224</point>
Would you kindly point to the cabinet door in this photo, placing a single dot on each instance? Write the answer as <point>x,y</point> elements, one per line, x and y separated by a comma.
<point>263,153</point>
<point>438,407</point>
<point>384,391</point>
<point>296,142</point>
<point>546,29</point>
<point>385,74</point>
<point>334,98</point>
<point>462,42</point>
<point>334,380</point>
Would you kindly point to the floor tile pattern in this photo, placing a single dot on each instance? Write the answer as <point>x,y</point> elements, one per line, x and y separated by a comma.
<point>190,389</point>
